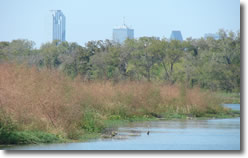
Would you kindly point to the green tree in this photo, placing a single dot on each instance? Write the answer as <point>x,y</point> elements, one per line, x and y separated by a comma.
<point>4,50</point>
<point>171,54</point>
<point>105,65</point>
<point>52,53</point>
<point>21,47</point>
<point>144,56</point>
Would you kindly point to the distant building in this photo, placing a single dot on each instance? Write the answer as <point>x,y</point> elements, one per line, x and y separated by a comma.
<point>120,34</point>
<point>156,38</point>
<point>58,25</point>
<point>176,35</point>
<point>212,35</point>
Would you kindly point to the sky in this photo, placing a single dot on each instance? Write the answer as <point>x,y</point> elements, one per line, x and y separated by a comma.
<point>88,20</point>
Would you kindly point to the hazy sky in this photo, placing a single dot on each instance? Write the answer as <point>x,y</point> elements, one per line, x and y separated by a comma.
<point>94,19</point>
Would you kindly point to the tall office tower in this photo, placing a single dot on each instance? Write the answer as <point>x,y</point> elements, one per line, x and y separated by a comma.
<point>176,35</point>
<point>58,25</point>
<point>120,34</point>
<point>212,35</point>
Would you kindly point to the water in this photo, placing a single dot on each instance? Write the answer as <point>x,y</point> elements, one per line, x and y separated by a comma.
<point>213,134</point>
<point>233,106</point>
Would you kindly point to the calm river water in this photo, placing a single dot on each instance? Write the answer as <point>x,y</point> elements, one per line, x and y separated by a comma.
<point>213,134</point>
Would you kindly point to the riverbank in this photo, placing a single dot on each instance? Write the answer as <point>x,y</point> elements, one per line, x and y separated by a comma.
<point>109,129</point>
<point>229,98</point>
<point>44,106</point>
<point>175,134</point>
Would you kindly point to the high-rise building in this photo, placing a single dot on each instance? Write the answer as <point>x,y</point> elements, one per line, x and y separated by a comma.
<point>120,34</point>
<point>176,35</point>
<point>58,25</point>
<point>212,35</point>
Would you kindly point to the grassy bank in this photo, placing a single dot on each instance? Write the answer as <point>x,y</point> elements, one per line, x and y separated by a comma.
<point>229,98</point>
<point>44,106</point>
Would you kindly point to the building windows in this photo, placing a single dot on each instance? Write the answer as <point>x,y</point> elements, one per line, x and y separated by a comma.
<point>176,35</point>
<point>58,26</point>
<point>120,34</point>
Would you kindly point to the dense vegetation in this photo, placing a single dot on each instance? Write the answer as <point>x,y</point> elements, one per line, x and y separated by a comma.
<point>65,91</point>
<point>41,106</point>
<point>207,63</point>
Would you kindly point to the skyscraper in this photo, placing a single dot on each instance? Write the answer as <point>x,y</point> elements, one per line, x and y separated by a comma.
<point>58,25</point>
<point>212,35</point>
<point>176,35</point>
<point>120,34</point>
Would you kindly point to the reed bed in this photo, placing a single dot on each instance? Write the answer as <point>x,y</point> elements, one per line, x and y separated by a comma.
<point>46,100</point>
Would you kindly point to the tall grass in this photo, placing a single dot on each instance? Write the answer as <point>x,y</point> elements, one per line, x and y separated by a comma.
<point>46,100</point>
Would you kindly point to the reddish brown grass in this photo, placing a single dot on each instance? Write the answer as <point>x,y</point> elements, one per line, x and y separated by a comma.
<point>47,100</point>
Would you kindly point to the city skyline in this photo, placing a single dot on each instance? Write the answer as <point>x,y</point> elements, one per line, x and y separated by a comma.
<point>176,35</point>
<point>94,20</point>
<point>121,33</point>
<point>58,25</point>
<point>212,35</point>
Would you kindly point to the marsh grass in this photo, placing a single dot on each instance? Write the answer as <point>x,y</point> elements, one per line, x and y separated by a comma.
<point>229,98</point>
<point>47,101</point>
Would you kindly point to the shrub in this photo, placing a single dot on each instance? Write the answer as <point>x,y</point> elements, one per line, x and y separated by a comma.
<point>46,100</point>
<point>7,128</point>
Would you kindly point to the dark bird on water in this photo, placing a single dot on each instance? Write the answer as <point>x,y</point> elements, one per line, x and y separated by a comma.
<point>148,132</point>
<point>114,133</point>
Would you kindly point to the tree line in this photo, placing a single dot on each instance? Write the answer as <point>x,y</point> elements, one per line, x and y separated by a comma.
<point>206,62</point>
